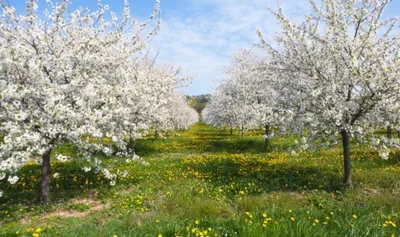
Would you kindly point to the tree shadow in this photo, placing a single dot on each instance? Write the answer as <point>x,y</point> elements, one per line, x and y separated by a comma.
<point>255,176</point>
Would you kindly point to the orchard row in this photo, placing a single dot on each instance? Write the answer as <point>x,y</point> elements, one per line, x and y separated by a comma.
<point>336,74</point>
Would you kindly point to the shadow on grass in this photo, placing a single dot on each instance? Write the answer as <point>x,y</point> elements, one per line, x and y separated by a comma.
<point>72,182</point>
<point>256,176</point>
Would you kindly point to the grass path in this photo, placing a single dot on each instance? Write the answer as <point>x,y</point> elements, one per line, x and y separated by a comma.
<point>204,182</point>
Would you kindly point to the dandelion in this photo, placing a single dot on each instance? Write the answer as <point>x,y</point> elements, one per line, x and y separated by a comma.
<point>197,222</point>
<point>292,219</point>
<point>355,216</point>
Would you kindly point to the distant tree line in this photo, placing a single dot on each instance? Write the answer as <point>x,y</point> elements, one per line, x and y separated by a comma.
<point>198,102</point>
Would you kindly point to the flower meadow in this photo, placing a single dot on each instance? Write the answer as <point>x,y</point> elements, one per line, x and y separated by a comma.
<point>205,182</point>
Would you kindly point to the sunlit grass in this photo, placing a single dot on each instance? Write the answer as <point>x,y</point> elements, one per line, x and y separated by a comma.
<point>204,182</point>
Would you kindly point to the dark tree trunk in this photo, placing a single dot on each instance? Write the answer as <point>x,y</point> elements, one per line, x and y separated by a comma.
<point>266,145</point>
<point>45,181</point>
<point>398,134</point>
<point>156,135</point>
<point>389,132</point>
<point>131,146</point>
<point>242,131</point>
<point>346,158</point>
<point>231,132</point>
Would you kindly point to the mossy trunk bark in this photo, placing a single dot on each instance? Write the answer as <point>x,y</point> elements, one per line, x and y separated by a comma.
<point>267,139</point>
<point>45,179</point>
<point>131,146</point>
<point>389,132</point>
<point>346,159</point>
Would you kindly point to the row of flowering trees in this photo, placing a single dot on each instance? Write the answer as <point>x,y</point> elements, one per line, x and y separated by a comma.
<point>337,74</point>
<point>66,77</point>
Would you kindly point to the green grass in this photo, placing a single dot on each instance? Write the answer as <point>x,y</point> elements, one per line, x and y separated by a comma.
<point>203,182</point>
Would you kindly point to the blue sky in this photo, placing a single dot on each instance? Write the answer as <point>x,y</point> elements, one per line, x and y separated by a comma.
<point>201,35</point>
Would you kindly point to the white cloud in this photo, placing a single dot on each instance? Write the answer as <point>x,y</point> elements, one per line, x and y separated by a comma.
<point>203,42</point>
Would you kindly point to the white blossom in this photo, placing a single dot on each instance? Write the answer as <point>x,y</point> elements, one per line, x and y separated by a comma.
<point>13,179</point>
<point>62,158</point>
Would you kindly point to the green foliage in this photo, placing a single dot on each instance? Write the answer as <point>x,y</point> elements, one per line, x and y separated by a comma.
<point>198,102</point>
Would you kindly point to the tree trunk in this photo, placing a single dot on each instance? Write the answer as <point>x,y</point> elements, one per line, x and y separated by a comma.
<point>131,146</point>
<point>389,132</point>
<point>45,181</point>
<point>156,135</point>
<point>242,131</point>
<point>266,145</point>
<point>346,158</point>
<point>398,134</point>
<point>231,132</point>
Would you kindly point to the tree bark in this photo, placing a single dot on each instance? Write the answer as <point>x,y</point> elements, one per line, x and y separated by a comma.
<point>231,132</point>
<point>131,146</point>
<point>389,132</point>
<point>346,158</point>
<point>242,131</point>
<point>267,141</point>
<point>156,135</point>
<point>45,180</point>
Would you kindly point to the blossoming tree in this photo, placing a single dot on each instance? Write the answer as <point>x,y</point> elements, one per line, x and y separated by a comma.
<point>247,97</point>
<point>337,67</point>
<point>60,75</point>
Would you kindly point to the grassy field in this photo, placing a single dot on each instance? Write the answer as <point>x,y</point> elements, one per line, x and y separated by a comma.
<point>204,182</point>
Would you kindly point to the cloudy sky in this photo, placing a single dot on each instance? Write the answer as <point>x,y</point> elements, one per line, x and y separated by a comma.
<point>201,35</point>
